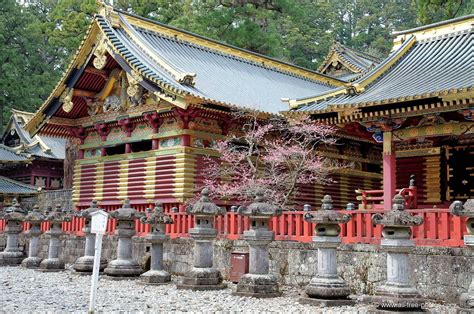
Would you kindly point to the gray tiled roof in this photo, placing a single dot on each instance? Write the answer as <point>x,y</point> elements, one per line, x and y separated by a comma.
<point>220,77</point>
<point>8,154</point>
<point>55,146</point>
<point>431,66</point>
<point>9,186</point>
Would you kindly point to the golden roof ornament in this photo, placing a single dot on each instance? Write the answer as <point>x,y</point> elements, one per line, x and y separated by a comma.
<point>66,99</point>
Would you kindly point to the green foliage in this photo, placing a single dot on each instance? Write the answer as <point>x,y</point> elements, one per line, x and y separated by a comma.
<point>38,38</point>
<point>431,11</point>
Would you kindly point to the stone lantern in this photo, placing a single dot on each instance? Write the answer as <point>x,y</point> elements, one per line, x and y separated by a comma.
<point>327,287</point>
<point>397,292</point>
<point>124,265</point>
<point>157,221</point>
<point>35,218</point>
<point>258,282</point>
<point>13,215</point>
<point>466,300</point>
<point>203,276</point>
<point>84,264</point>
<point>56,218</point>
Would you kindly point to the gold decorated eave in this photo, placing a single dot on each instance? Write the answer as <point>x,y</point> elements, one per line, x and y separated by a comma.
<point>345,115</point>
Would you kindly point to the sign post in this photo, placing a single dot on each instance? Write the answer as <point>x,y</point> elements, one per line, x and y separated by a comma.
<point>98,226</point>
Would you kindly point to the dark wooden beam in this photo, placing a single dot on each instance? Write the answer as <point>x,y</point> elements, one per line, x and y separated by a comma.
<point>102,73</point>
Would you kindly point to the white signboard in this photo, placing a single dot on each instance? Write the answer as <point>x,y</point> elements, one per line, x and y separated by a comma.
<point>99,221</point>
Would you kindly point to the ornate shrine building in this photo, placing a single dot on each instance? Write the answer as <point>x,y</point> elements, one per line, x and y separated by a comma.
<point>418,104</point>
<point>39,158</point>
<point>144,102</point>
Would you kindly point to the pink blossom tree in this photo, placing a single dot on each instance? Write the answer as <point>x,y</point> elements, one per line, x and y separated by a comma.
<point>275,157</point>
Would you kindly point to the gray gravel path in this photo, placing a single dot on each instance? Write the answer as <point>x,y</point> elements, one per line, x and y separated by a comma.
<point>25,290</point>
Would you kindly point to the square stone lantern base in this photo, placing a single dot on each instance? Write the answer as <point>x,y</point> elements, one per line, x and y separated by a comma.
<point>202,279</point>
<point>155,277</point>
<point>258,286</point>
<point>11,258</point>
<point>51,265</point>
<point>31,262</point>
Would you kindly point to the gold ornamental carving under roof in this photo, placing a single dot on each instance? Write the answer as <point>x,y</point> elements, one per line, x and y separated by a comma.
<point>66,99</point>
<point>100,53</point>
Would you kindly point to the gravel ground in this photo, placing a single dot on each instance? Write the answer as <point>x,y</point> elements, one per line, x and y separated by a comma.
<point>25,290</point>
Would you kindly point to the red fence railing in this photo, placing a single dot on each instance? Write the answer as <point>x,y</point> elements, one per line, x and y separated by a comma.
<point>440,228</point>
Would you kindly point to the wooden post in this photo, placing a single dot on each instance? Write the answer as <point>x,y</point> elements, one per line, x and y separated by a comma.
<point>389,168</point>
<point>128,148</point>
<point>155,144</point>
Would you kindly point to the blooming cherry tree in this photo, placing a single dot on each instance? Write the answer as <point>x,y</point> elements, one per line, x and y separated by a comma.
<point>275,157</point>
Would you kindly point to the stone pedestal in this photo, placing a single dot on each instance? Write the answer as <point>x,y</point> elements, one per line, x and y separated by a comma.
<point>203,276</point>
<point>258,282</point>
<point>397,293</point>
<point>466,300</point>
<point>55,218</point>
<point>327,288</point>
<point>32,261</point>
<point>156,275</point>
<point>53,262</point>
<point>12,255</point>
<point>157,221</point>
<point>35,217</point>
<point>84,264</point>
<point>124,266</point>
<point>13,215</point>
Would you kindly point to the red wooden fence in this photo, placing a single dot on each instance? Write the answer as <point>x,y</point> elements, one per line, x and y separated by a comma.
<point>440,228</point>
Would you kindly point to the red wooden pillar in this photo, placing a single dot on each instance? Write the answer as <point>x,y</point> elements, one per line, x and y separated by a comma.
<point>154,121</point>
<point>389,166</point>
<point>155,144</point>
<point>128,148</point>
<point>81,154</point>
<point>186,140</point>
<point>103,152</point>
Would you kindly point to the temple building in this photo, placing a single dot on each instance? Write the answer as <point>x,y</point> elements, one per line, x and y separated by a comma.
<point>9,188</point>
<point>145,101</point>
<point>347,64</point>
<point>39,158</point>
<point>418,104</point>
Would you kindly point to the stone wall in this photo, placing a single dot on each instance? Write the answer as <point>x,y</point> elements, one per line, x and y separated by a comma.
<point>439,273</point>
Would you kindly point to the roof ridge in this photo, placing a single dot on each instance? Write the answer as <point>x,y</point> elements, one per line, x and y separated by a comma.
<point>428,26</point>
<point>232,47</point>
<point>446,36</point>
<point>240,59</point>
<point>359,52</point>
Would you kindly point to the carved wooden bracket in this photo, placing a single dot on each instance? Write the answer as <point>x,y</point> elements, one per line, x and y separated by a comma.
<point>154,120</point>
<point>103,129</point>
<point>224,123</point>
<point>382,125</point>
<point>186,115</point>
<point>78,132</point>
<point>127,126</point>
